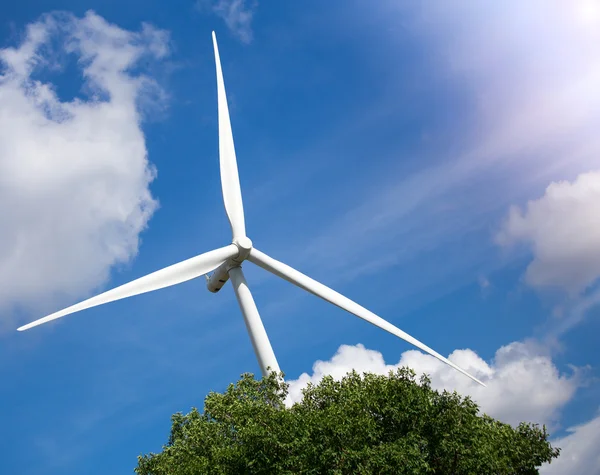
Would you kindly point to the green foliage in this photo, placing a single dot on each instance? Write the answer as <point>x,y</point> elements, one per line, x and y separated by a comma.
<point>359,425</point>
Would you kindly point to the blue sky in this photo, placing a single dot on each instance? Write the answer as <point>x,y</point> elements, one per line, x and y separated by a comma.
<point>438,164</point>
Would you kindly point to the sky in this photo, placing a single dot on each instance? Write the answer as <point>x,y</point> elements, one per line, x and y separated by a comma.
<point>438,163</point>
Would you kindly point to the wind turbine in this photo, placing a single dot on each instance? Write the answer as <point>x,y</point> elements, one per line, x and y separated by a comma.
<point>226,262</point>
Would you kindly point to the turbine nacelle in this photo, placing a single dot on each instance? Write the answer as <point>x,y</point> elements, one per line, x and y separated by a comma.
<point>220,275</point>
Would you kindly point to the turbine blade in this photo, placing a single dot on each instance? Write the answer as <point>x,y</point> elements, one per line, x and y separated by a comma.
<point>230,180</point>
<point>258,335</point>
<point>304,282</point>
<point>175,274</point>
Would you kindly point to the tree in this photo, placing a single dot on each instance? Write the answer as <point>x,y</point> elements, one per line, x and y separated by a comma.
<point>362,424</point>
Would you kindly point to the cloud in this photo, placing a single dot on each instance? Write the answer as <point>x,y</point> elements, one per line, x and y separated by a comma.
<point>237,15</point>
<point>484,285</point>
<point>563,230</point>
<point>579,451</point>
<point>522,382</point>
<point>523,76</point>
<point>74,174</point>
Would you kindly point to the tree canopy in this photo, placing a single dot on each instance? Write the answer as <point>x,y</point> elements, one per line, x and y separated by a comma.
<point>362,424</point>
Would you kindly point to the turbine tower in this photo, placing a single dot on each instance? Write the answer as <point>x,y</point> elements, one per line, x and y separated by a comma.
<point>225,263</point>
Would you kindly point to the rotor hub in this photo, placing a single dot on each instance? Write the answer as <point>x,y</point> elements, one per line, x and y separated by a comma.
<point>244,245</point>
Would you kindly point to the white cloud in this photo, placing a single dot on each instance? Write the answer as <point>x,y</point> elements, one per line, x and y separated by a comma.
<point>579,451</point>
<point>522,382</point>
<point>528,72</point>
<point>237,15</point>
<point>525,75</point>
<point>74,175</point>
<point>563,229</point>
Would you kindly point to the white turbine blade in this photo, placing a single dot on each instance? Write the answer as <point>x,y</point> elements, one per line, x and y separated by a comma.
<point>175,274</point>
<point>258,335</point>
<point>230,180</point>
<point>303,281</point>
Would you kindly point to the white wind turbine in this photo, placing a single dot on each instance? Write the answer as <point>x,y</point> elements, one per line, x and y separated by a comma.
<point>227,263</point>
